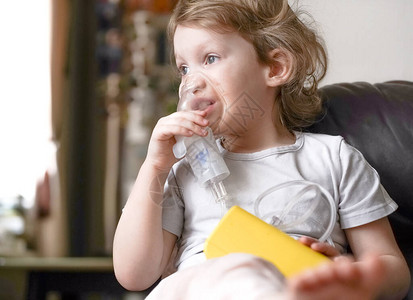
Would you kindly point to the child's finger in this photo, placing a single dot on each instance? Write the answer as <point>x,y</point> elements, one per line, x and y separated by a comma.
<point>325,248</point>
<point>307,240</point>
<point>197,117</point>
<point>182,123</point>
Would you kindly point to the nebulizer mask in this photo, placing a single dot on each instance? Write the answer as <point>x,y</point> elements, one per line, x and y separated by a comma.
<point>202,153</point>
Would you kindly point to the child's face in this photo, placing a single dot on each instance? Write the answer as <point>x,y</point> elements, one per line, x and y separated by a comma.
<point>230,80</point>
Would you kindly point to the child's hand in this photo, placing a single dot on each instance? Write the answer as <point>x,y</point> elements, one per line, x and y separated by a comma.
<point>184,123</point>
<point>323,248</point>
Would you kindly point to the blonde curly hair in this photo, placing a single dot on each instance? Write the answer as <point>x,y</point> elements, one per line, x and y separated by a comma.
<point>268,25</point>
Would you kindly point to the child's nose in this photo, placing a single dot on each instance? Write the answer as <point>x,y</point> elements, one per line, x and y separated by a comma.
<point>193,83</point>
<point>191,87</point>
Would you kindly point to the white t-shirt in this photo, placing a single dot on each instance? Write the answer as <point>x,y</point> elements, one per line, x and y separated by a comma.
<point>191,213</point>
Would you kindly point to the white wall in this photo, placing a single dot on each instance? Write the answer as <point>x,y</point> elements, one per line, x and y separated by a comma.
<point>367,40</point>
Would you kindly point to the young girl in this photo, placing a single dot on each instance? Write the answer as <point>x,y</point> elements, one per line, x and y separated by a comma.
<point>255,67</point>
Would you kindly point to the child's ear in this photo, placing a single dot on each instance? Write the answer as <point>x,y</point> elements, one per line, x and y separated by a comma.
<point>280,68</point>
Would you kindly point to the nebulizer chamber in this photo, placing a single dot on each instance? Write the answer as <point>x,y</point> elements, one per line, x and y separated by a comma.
<point>202,153</point>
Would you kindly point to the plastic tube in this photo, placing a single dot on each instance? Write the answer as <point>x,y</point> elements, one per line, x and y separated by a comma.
<point>308,185</point>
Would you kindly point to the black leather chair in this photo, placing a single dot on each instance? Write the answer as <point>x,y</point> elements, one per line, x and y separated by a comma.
<point>377,119</point>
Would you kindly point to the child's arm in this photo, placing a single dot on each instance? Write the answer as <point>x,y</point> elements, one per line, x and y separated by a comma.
<point>141,247</point>
<point>377,238</point>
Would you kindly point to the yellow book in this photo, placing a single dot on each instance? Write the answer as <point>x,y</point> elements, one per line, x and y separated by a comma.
<point>240,231</point>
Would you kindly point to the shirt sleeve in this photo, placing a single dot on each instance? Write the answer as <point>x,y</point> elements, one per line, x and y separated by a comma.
<point>362,198</point>
<point>172,206</point>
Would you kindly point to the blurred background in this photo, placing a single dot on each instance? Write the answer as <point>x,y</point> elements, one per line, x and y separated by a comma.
<point>82,84</point>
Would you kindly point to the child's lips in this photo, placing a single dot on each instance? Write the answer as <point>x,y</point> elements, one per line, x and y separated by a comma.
<point>203,104</point>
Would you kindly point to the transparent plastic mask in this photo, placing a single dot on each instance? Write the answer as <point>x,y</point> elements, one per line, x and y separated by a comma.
<point>198,92</point>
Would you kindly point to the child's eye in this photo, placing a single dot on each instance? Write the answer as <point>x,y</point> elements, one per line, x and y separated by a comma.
<point>211,59</point>
<point>183,70</point>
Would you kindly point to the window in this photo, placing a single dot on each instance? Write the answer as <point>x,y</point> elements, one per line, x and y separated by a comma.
<point>25,123</point>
